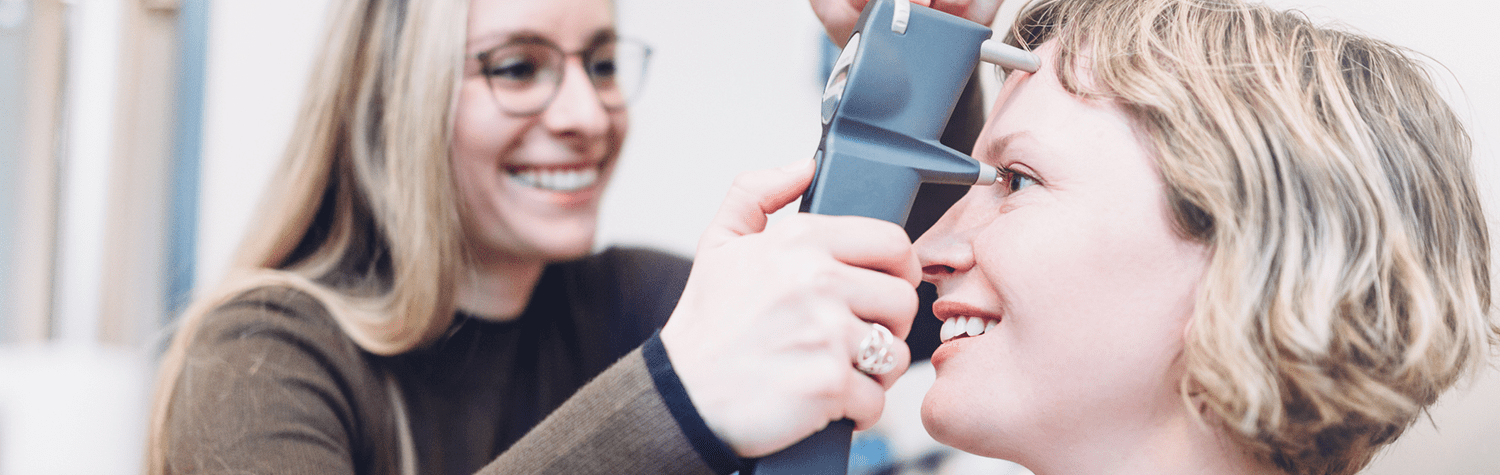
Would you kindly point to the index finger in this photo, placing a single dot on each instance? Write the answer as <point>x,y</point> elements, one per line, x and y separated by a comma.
<point>753,196</point>
<point>873,244</point>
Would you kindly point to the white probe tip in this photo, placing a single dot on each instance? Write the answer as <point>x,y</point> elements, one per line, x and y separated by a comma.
<point>993,51</point>
<point>987,175</point>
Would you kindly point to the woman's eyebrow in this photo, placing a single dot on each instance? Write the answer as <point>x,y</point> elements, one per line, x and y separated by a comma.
<point>604,35</point>
<point>503,37</point>
<point>996,148</point>
<point>600,36</point>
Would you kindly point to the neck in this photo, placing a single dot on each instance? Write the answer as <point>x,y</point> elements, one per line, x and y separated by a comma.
<point>497,288</point>
<point>1172,444</point>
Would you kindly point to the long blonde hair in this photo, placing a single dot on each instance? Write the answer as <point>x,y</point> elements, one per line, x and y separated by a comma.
<point>1349,283</point>
<point>361,213</point>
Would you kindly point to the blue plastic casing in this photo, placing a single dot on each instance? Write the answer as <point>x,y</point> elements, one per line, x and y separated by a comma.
<point>881,142</point>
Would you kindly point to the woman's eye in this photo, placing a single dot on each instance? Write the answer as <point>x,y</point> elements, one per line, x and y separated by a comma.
<point>513,69</point>
<point>1015,181</point>
<point>603,69</point>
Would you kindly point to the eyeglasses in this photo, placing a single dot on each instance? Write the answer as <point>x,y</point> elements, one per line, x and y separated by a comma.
<point>525,75</point>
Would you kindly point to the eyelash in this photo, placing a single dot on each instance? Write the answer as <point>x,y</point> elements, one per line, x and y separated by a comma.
<point>1011,177</point>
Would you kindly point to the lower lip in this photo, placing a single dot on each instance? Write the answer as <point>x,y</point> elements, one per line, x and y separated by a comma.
<point>573,198</point>
<point>565,198</point>
<point>946,350</point>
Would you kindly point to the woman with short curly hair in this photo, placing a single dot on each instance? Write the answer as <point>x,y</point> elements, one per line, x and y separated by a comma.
<point>1228,241</point>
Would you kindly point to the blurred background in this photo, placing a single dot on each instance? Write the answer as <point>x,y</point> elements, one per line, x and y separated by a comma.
<point>136,137</point>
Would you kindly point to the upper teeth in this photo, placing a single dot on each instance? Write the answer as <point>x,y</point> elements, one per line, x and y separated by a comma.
<point>557,179</point>
<point>959,326</point>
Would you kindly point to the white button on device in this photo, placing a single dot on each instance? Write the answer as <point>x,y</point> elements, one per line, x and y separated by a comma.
<point>901,17</point>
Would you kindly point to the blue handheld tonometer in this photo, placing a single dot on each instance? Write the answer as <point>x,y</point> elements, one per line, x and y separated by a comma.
<point>890,95</point>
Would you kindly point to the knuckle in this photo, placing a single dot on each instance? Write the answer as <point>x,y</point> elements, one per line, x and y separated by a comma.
<point>886,237</point>
<point>817,279</point>
<point>907,301</point>
<point>895,238</point>
<point>744,181</point>
<point>830,383</point>
<point>797,227</point>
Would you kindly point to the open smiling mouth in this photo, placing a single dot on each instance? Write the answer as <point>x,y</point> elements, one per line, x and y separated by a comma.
<point>560,179</point>
<point>959,327</point>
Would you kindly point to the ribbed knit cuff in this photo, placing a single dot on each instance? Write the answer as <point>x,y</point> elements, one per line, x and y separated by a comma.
<point>715,453</point>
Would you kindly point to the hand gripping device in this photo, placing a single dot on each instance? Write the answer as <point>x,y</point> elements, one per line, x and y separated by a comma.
<point>886,103</point>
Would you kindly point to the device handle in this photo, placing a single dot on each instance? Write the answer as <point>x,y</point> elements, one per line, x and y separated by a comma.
<point>824,452</point>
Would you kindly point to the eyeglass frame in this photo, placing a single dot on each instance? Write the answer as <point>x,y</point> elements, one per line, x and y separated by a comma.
<point>585,60</point>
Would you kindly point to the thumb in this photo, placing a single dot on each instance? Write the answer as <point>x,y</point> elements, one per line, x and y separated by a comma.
<point>752,197</point>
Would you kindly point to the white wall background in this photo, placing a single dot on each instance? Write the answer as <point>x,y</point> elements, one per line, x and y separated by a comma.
<point>733,87</point>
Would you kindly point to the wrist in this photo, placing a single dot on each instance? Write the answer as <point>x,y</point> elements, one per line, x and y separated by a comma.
<point>709,445</point>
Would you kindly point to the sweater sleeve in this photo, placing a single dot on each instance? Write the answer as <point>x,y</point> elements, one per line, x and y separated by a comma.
<point>620,423</point>
<point>270,386</point>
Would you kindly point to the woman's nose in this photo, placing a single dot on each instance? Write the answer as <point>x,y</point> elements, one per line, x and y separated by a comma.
<point>946,249</point>
<point>576,109</point>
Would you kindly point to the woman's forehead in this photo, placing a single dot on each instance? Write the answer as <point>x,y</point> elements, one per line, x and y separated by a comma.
<point>571,24</point>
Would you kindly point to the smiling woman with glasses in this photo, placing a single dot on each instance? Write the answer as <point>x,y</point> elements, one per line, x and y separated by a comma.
<point>420,293</point>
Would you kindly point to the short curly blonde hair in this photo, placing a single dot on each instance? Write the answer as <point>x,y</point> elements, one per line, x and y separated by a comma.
<point>1349,283</point>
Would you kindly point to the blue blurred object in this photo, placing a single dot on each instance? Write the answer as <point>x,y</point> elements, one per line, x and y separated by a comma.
<point>870,454</point>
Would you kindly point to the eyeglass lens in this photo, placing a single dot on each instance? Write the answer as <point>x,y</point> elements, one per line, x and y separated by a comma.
<point>524,76</point>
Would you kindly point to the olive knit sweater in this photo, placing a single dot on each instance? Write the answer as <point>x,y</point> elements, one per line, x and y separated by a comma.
<point>577,384</point>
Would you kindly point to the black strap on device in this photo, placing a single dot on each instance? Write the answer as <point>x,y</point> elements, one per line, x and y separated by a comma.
<point>824,452</point>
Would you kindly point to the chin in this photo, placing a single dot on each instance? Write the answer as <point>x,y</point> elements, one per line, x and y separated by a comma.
<point>564,244</point>
<point>538,241</point>
<point>952,421</point>
<point>569,252</point>
<point>556,238</point>
<point>937,412</point>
